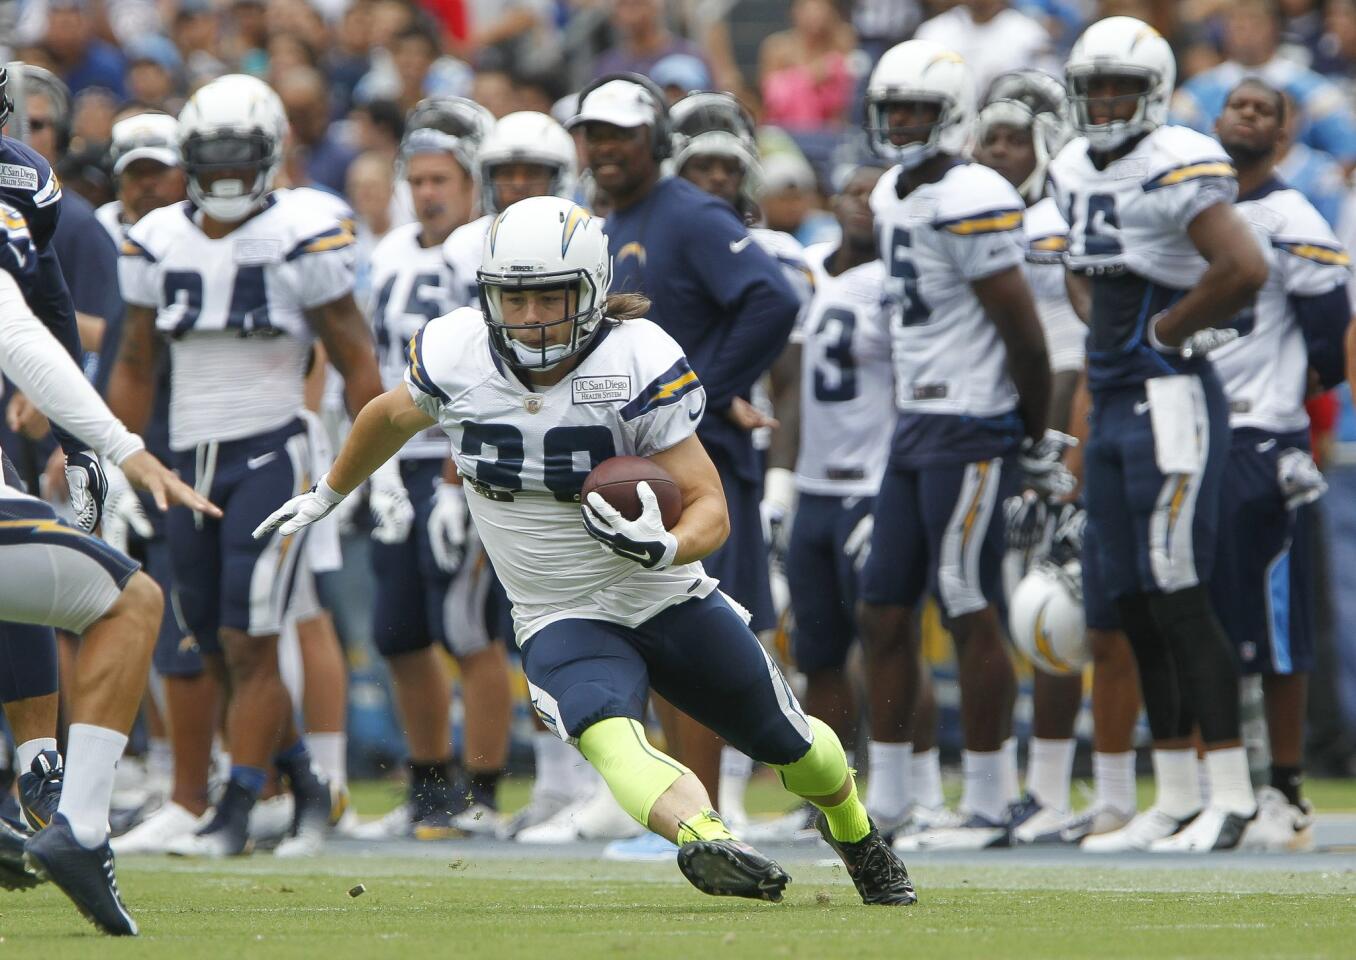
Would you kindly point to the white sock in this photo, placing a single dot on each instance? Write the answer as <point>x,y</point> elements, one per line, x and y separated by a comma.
<point>1230,782</point>
<point>1113,777</point>
<point>735,771</point>
<point>925,779</point>
<point>555,765</point>
<point>1012,781</point>
<point>1203,775</point>
<point>1178,786</point>
<point>28,751</point>
<point>91,754</point>
<point>330,753</point>
<point>1049,771</point>
<point>985,789</point>
<point>887,784</point>
<point>160,758</point>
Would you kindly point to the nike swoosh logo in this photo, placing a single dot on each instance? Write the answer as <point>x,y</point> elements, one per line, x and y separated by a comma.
<point>1141,408</point>
<point>695,415</point>
<point>1266,445</point>
<point>738,245</point>
<point>254,463</point>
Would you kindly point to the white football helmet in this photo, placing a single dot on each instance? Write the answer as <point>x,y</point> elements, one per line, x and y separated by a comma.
<point>920,70</point>
<point>1045,617</point>
<point>527,137</point>
<point>453,125</point>
<point>1030,100</point>
<point>1120,47</point>
<point>235,123</point>
<point>716,123</point>
<point>544,242</point>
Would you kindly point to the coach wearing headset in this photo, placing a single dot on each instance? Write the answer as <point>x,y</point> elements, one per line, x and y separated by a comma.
<point>716,292</point>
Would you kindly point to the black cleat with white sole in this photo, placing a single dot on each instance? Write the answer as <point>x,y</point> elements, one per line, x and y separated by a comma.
<point>84,875</point>
<point>876,870</point>
<point>13,875</point>
<point>728,868</point>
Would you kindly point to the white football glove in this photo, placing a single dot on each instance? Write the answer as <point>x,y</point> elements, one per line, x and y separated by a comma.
<point>1300,479</point>
<point>1198,344</point>
<point>643,540</point>
<point>858,543</point>
<point>1027,518</point>
<point>315,504</point>
<point>389,503</point>
<point>447,527</point>
<point>778,503</point>
<point>1043,464</point>
<point>123,511</point>
<point>88,488</point>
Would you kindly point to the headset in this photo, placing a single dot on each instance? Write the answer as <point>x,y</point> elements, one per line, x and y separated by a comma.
<point>661,133</point>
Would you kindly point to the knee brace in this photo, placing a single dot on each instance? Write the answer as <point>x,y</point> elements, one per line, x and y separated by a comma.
<point>635,772</point>
<point>822,770</point>
<point>1206,663</point>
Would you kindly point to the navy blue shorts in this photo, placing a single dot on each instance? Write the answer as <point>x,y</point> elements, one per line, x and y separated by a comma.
<point>822,579</point>
<point>1156,532</point>
<point>28,658</point>
<point>1099,610</point>
<point>938,528</point>
<point>741,563</point>
<point>698,655</point>
<point>176,650</point>
<point>417,605</point>
<point>224,577</point>
<point>1263,587</point>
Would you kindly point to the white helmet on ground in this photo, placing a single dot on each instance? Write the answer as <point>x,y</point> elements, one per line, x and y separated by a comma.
<point>236,123</point>
<point>1120,47</point>
<point>1045,617</point>
<point>527,137</point>
<point>914,71</point>
<point>1034,101</point>
<point>543,243</point>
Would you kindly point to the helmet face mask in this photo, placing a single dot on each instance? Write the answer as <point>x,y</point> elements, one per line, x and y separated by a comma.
<point>716,124</point>
<point>911,144</point>
<point>1124,53</point>
<point>531,346</point>
<point>910,74</point>
<point>523,140</point>
<point>1032,101</point>
<point>230,139</point>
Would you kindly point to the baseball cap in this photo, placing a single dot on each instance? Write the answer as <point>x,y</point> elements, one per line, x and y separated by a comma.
<point>146,136</point>
<point>154,48</point>
<point>622,103</point>
<point>681,70</point>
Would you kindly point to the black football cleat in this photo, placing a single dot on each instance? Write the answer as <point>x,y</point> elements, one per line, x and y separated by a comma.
<point>13,874</point>
<point>728,868</point>
<point>875,869</point>
<point>84,875</point>
<point>40,789</point>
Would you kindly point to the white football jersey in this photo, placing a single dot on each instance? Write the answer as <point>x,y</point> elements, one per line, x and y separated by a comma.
<point>462,252</point>
<point>524,455</point>
<point>411,284</point>
<point>1047,239</point>
<point>788,252</point>
<point>935,242</point>
<point>846,380</point>
<point>234,310</point>
<point>1266,371</point>
<point>110,217</point>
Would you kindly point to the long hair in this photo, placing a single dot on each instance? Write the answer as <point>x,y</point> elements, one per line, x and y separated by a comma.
<point>626,306</point>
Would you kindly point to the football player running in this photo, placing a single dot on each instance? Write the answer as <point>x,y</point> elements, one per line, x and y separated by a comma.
<point>1018,132</point>
<point>548,381</point>
<point>59,577</point>
<point>972,390</point>
<point>239,279</point>
<point>1263,584</point>
<point>1156,245</point>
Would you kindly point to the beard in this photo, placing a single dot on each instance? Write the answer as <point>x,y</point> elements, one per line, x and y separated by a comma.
<point>1246,154</point>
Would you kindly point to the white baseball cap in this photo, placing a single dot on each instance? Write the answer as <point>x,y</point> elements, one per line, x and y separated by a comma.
<point>146,136</point>
<point>622,103</point>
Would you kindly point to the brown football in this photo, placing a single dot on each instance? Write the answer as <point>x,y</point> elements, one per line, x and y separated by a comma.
<point>615,481</point>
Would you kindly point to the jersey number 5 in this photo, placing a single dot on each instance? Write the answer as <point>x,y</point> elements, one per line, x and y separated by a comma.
<point>915,309</point>
<point>559,448</point>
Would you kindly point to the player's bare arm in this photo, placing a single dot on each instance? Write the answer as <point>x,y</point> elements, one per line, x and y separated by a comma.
<point>381,428</point>
<point>1079,289</point>
<point>131,386</point>
<point>348,342</point>
<point>1007,302</point>
<point>1237,271</point>
<point>705,523</point>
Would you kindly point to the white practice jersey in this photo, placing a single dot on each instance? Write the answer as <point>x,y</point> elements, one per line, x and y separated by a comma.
<point>410,286</point>
<point>462,252</point>
<point>936,242</point>
<point>524,455</point>
<point>788,252</point>
<point>110,217</point>
<point>1266,371</point>
<point>846,380</point>
<point>234,310</point>
<point>1047,239</point>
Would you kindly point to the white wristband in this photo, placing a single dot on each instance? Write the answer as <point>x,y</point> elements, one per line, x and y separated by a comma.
<point>1151,334</point>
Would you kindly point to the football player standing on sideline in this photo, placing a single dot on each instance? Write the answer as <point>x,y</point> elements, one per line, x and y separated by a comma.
<point>1156,245</point>
<point>1263,586</point>
<point>972,389</point>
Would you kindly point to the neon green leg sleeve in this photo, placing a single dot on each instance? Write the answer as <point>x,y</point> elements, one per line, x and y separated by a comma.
<point>821,773</point>
<point>636,773</point>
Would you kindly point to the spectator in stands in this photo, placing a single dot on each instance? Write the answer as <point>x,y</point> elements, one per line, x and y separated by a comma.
<point>679,74</point>
<point>880,24</point>
<point>1314,173</point>
<point>640,39</point>
<point>376,127</point>
<point>305,97</point>
<point>83,59</point>
<point>993,39</point>
<point>804,72</point>
<point>153,66</point>
<point>1251,43</point>
<point>247,40</point>
<point>791,201</point>
<point>1336,53</point>
<point>514,30</point>
<point>492,88</point>
<point>197,34</point>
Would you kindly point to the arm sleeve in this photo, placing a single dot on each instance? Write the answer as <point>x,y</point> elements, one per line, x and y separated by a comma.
<point>35,362</point>
<point>1323,320</point>
<point>750,288</point>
